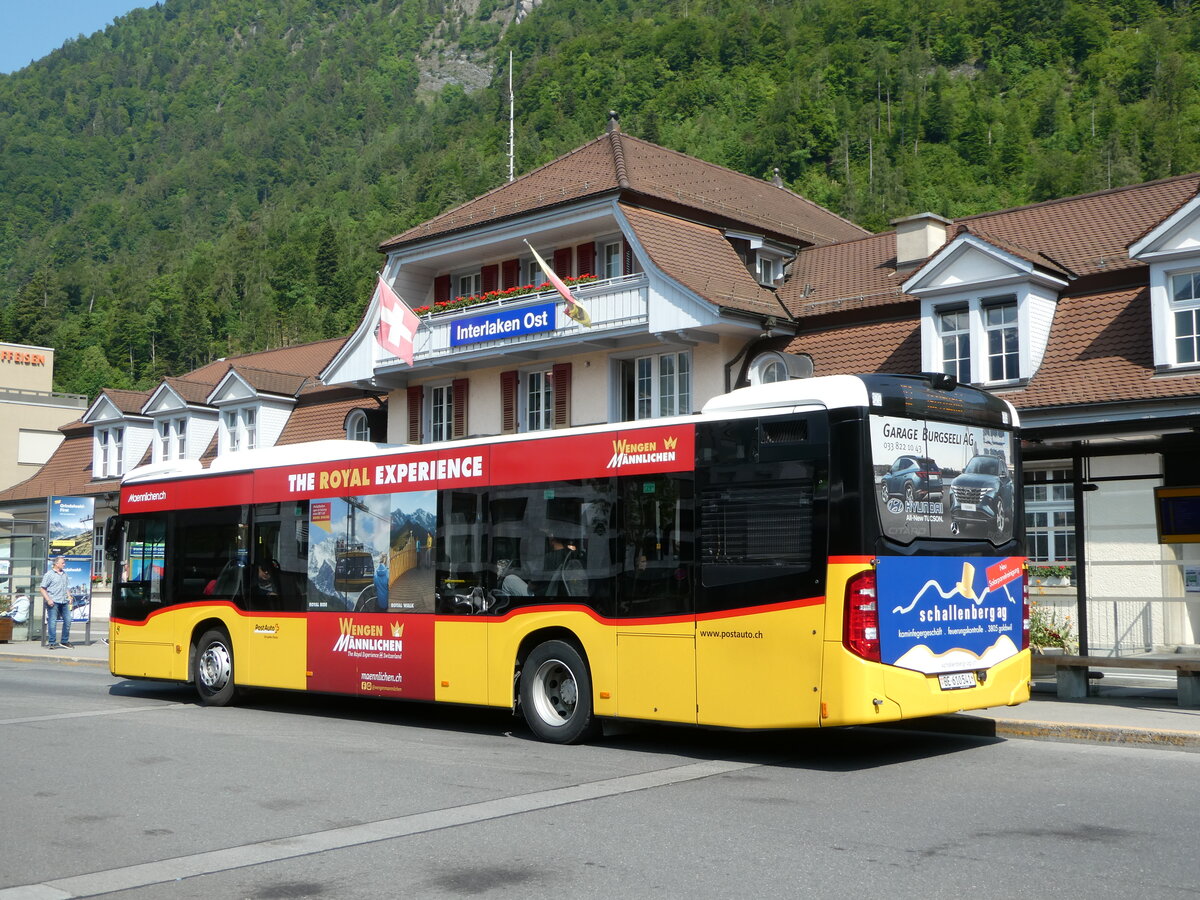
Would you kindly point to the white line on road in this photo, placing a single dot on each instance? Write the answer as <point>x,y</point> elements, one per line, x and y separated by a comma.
<point>146,874</point>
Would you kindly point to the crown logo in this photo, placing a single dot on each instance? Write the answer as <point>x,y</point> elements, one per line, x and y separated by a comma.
<point>670,442</point>
<point>397,629</point>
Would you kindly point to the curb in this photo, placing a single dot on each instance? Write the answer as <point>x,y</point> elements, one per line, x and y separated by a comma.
<point>1118,735</point>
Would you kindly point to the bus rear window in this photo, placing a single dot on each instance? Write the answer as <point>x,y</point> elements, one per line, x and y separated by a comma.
<point>942,480</point>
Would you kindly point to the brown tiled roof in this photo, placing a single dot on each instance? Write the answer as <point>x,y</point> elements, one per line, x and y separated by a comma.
<point>855,274</point>
<point>1100,351</point>
<point>128,402</point>
<point>190,390</point>
<point>316,422</point>
<point>893,346</point>
<point>1080,236</point>
<point>268,382</point>
<point>702,260</point>
<point>300,359</point>
<point>1090,233</point>
<point>619,163</point>
<point>68,472</point>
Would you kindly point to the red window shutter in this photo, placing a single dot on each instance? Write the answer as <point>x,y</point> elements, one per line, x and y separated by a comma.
<point>560,378</point>
<point>626,258</point>
<point>416,394</point>
<point>562,262</point>
<point>509,382</point>
<point>585,255</point>
<point>488,278</point>
<point>441,288</point>
<point>510,273</point>
<point>460,407</point>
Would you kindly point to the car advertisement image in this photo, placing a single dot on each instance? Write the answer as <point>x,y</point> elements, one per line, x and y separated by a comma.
<point>949,614</point>
<point>942,480</point>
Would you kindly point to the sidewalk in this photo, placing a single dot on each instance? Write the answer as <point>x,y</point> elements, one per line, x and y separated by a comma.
<point>1129,712</point>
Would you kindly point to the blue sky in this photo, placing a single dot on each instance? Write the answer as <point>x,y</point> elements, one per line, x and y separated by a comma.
<point>30,29</point>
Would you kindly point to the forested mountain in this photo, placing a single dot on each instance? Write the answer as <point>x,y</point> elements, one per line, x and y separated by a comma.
<point>207,177</point>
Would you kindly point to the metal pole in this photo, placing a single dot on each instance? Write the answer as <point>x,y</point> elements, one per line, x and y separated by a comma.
<point>1077,482</point>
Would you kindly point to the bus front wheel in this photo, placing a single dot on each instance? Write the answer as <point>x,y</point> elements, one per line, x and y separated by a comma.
<point>213,669</point>
<point>556,694</point>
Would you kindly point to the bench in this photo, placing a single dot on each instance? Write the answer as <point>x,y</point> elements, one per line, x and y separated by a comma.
<point>1072,674</point>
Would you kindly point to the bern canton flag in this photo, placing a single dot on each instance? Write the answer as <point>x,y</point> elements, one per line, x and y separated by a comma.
<point>574,310</point>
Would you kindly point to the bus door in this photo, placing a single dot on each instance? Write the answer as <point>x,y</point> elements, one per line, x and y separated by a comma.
<point>146,641</point>
<point>762,501</point>
<point>656,638</point>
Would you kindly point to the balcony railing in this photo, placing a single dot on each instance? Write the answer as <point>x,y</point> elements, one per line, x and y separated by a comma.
<point>612,303</point>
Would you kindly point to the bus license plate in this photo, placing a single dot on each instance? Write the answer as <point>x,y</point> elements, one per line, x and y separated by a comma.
<point>956,681</point>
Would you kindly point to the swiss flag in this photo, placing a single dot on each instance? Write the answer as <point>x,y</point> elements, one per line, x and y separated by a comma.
<point>397,323</point>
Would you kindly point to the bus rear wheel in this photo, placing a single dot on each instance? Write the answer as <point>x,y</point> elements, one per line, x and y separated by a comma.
<point>212,669</point>
<point>556,694</point>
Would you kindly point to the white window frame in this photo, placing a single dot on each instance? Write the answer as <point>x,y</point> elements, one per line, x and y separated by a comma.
<point>977,359</point>
<point>611,259</point>
<point>1175,308</point>
<point>440,423</point>
<point>663,385</point>
<point>1001,366</point>
<point>170,439</point>
<point>109,460</point>
<point>469,284</point>
<point>958,365</point>
<point>1050,526</point>
<point>536,402</point>
<point>239,429</point>
<point>357,427</point>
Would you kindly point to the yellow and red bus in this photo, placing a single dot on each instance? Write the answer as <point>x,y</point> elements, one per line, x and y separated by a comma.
<point>815,552</point>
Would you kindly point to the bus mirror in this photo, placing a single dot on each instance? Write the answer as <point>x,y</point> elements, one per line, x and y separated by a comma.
<point>114,530</point>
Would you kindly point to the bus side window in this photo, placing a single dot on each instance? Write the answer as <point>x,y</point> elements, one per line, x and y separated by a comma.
<point>209,554</point>
<point>140,579</point>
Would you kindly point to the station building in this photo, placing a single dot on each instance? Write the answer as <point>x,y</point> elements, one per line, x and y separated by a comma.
<point>1084,312</point>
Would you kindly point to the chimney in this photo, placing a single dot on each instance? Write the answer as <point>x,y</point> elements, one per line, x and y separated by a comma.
<point>613,122</point>
<point>918,237</point>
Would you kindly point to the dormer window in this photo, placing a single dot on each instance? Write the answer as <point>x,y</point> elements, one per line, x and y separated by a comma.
<point>988,322</point>
<point>1185,316</point>
<point>769,269</point>
<point>1004,357</point>
<point>172,440</point>
<point>239,429</point>
<point>954,331</point>
<point>110,461</point>
<point>357,427</point>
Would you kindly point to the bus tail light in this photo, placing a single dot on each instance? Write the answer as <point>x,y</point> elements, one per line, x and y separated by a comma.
<point>861,617</point>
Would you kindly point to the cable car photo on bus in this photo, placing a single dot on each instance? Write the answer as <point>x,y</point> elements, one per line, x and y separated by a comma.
<point>747,567</point>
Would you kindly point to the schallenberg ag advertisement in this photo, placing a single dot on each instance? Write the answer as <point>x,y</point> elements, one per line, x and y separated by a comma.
<point>942,480</point>
<point>946,614</point>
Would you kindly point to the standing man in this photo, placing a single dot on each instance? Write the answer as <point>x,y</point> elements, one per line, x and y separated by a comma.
<point>58,602</point>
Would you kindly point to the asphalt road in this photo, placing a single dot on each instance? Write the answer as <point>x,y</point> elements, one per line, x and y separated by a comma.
<point>130,788</point>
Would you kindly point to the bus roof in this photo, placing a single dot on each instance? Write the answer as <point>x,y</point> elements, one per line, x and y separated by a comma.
<point>777,398</point>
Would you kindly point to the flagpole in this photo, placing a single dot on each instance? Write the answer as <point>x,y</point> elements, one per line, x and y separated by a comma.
<point>511,141</point>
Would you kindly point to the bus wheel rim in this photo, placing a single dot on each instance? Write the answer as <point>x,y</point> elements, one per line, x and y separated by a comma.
<point>216,667</point>
<point>555,692</point>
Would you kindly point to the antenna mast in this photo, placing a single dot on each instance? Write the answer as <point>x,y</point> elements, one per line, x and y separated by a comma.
<point>510,116</point>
